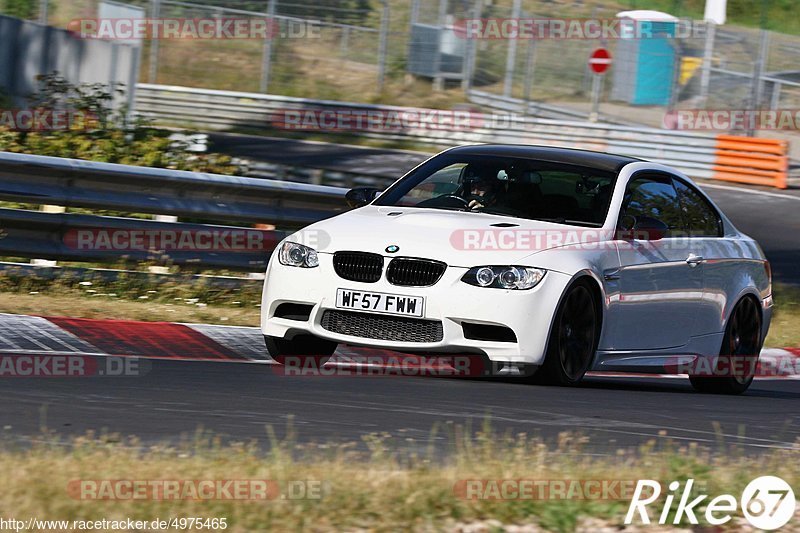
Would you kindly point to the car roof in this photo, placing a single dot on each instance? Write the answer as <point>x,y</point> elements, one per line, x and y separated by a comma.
<point>550,154</point>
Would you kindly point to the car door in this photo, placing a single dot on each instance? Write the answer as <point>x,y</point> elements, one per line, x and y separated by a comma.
<point>705,235</point>
<point>660,281</point>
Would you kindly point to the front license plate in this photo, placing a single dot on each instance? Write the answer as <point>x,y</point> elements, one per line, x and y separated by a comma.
<point>379,302</point>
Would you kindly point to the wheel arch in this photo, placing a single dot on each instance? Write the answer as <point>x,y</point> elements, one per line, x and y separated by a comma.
<point>747,292</point>
<point>751,294</point>
<point>552,371</point>
<point>596,286</point>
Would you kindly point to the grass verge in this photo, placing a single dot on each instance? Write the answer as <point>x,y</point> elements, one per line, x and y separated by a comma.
<point>147,298</point>
<point>785,329</point>
<point>78,306</point>
<point>379,490</point>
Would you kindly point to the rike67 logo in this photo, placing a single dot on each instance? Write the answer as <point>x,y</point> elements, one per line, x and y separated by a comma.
<point>767,502</point>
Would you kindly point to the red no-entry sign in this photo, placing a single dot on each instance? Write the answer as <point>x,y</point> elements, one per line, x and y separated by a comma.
<point>600,60</point>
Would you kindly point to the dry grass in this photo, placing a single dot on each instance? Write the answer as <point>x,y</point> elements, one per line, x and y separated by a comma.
<point>81,306</point>
<point>381,490</point>
<point>132,297</point>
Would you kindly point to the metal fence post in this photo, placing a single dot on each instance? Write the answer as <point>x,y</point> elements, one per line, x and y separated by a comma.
<point>152,70</point>
<point>414,13</point>
<point>162,269</point>
<point>775,101</point>
<point>345,44</point>
<point>266,58</point>
<point>530,61</point>
<point>383,44</point>
<point>758,74</point>
<point>511,56</point>
<point>471,52</point>
<point>43,5</point>
<point>708,57</point>
<point>675,83</point>
<point>438,81</point>
<point>466,68</point>
<point>53,209</point>
<point>134,77</point>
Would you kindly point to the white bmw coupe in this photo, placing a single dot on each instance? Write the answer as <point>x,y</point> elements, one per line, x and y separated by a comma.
<point>536,258</point>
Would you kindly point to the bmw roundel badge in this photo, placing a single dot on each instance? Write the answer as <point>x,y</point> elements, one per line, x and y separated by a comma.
<point>392,248</point>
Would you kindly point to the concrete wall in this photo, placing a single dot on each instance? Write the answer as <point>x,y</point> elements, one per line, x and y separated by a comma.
<point>29,49</point>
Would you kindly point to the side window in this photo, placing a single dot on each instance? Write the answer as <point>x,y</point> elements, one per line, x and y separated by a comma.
<point>654,196</point>
<point>701,218</point>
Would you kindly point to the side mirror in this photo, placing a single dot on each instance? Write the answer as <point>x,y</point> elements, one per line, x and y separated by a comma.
<point>361,196</point>
<point>641,228</point>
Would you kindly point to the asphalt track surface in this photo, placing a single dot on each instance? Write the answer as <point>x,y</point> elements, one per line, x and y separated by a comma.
<point>770,216</point>
<point>237,400</point>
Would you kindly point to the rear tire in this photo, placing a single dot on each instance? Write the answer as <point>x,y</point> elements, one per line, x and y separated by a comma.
<point>300,347</point>
<point>573,338</point>
<point>742,339</point>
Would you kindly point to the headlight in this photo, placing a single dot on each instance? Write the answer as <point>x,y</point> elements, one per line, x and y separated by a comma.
<point>297,255</point>
<point>504,277</point>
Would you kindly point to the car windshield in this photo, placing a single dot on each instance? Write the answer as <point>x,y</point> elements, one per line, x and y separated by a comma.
<point>514,187</point>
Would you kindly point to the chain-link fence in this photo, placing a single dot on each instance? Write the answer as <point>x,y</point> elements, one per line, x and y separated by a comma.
<point>418,52</point>
<point>681,65</point>
<point>316,52</point>
<point>336,49</point>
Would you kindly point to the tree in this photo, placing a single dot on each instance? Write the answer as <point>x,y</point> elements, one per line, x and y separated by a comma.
<point>24,9</point>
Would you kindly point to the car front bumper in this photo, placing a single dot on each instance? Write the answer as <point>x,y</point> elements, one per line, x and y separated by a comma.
<point>528,313</point>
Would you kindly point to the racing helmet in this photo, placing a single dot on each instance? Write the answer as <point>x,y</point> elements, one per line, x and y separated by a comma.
<point>480,181</point>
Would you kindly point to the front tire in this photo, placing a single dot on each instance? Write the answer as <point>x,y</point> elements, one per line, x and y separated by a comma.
<point>300,347</point>
<point>742,342</point>
<point>573,338</point>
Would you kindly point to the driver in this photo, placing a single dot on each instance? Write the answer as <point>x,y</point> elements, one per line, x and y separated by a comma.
<point>482,191</point>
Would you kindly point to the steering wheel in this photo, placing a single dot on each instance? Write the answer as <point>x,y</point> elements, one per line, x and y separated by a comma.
<point>455,197</point>
<point>478,198</point>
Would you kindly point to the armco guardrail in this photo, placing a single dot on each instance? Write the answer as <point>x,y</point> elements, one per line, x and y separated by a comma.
<point>535,109</point>
<point>72,182</point>
<point>42,180</point>
<point>76,237</point>
<point>693,153</point>
<point>111,275</point>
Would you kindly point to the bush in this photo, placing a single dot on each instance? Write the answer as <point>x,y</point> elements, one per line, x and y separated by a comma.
<point>108,134</point>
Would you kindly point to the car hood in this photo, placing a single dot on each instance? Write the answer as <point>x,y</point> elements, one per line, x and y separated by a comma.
<point>455,237</point>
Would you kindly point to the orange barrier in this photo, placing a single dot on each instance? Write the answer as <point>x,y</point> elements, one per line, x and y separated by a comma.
<point>752,160</point>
